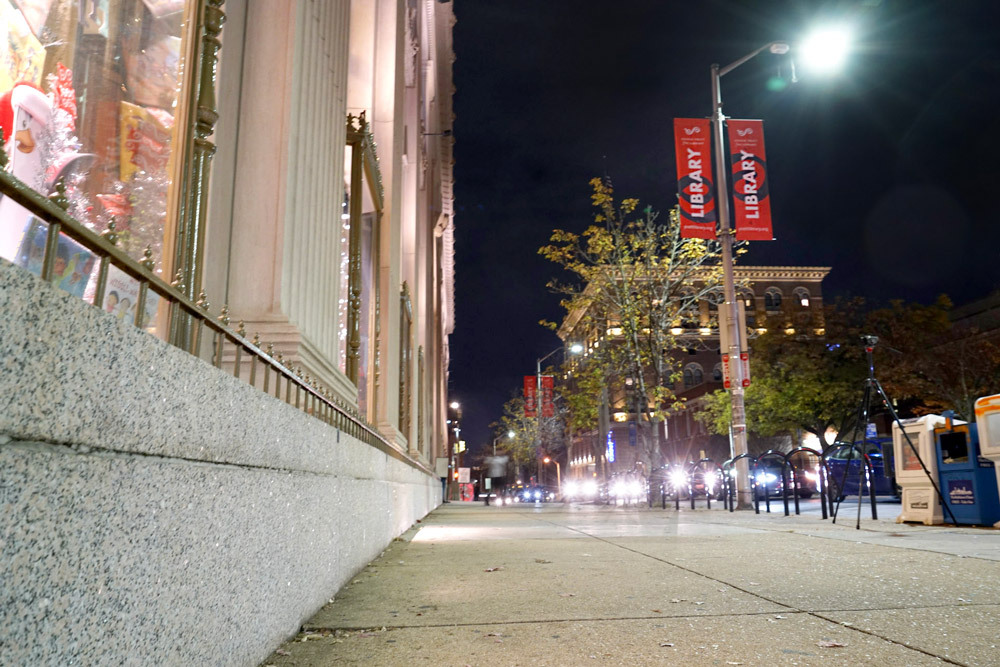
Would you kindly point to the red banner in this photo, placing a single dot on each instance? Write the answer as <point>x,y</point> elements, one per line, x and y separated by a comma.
<point>530,404</point>
<point>548,393</point>
<point>693,147</point>
<point>751,204</point>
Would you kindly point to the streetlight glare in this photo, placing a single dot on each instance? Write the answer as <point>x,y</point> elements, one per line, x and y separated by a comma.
<point>454,405</point>
<point>576,348</point>
<point>510,434</point>
<point>825,50</point>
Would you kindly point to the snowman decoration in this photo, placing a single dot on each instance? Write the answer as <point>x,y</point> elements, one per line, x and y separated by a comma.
<point>25,112</point>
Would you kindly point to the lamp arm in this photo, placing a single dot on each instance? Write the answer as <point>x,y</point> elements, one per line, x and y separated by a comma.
<point>750,56</point>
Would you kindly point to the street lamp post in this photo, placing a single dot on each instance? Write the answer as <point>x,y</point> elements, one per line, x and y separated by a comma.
<point>558,474</point>
<point>456,426</point>
<point>510,434</point>
<point>575,348</point>
<point>821,44</point>
<point>735,336</point>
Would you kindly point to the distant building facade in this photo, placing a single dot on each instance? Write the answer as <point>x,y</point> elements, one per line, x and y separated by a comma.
<point>785,298</point>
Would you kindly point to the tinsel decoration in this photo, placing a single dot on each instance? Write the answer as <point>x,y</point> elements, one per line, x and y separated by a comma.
<point>139,208</point>
<point>60,148</point>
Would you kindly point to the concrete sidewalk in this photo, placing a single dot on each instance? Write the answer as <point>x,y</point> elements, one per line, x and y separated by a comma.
<point>585,584</point>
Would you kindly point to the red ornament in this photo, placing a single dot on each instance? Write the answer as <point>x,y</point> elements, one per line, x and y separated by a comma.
<point>63,94</point>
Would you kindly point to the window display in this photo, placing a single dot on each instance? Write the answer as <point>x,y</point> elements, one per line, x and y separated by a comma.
<point>90,95</point>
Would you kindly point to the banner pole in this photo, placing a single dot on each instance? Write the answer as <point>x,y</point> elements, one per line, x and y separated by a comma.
<point>734,335</point>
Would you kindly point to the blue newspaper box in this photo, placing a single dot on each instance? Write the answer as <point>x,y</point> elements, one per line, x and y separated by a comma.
<point>968,480</point>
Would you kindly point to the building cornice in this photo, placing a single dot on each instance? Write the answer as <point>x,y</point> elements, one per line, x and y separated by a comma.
<point>741,273</point>
<point>811,273</point>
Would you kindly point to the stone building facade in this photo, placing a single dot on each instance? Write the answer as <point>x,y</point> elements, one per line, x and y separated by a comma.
<point>226,287</point>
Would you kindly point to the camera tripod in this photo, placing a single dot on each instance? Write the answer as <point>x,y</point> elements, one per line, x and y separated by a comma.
<point>872,385</point>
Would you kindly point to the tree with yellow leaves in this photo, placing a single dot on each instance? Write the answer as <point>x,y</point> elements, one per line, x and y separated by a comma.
<point>633,280</point>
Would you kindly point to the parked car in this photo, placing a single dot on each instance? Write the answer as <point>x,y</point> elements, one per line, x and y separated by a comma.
<point>686,482</point>
<point>626,488</point>
<point>846,468</point>
<point>769,480</point>
<point>579,490</point>
<point>535,494</point>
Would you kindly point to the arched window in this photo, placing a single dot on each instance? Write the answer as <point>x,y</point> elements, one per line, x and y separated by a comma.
<point>693,375</point>
<point>715,298</point>
<point>772,299</point>
<point>717,373</point>
<point>749,307</point>
<point>802,296</point>
<point>688,314</point>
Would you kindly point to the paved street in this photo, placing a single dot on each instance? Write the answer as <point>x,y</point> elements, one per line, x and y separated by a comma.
<point>587,584</point>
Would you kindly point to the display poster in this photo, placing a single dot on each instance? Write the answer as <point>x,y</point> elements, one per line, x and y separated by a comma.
<point>23,57</point>
<point>530,390</point>
<point>122,295</point>
<point>751,203</point>
<point>72,267</point>
<point>910,459</point>
<point>695,192</point>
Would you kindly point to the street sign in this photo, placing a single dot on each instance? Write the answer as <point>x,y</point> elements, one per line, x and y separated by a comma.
<point>739,414</point>
<point>725,316</point>
<point>745,361</point>
<point>464,475</point>
<point>727,378</point>
<point>441,466</point>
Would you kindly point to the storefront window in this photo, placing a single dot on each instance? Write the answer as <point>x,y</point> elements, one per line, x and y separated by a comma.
<point>366,319</point>
<point>359,265</point>
<point>90,95</point>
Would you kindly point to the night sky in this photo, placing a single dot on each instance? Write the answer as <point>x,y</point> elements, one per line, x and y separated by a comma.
<point>886,172</point>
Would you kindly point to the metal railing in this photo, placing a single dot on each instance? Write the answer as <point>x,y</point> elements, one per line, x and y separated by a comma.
<point>187,320</point>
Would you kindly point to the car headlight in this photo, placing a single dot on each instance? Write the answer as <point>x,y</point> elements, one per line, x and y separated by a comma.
<point>589,488</point>
<point>678,478</point>
<point>537,495</point>
<point>710,479</point>
<point>634,488</point>
<point>571,489</point>
<point>810,475</point>
<point>767,477</point>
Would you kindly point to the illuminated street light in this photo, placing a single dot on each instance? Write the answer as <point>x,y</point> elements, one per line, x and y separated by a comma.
<point>510,435</point>
<point>827,47</point>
